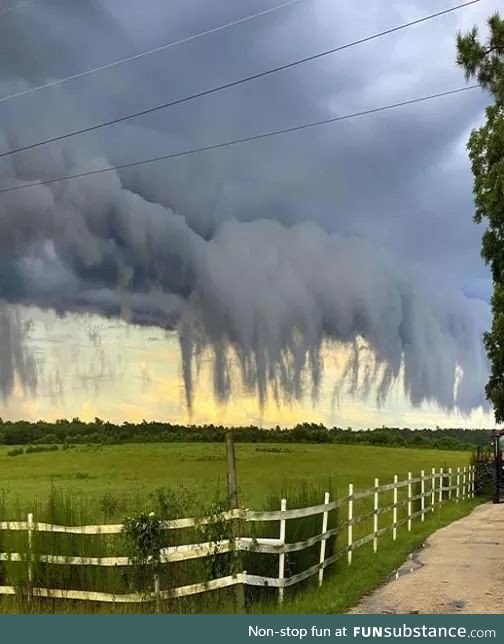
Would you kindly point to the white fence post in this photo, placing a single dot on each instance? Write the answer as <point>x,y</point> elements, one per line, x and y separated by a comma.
<point>394,510</point>
<point>464,484</point>
<point>375,514</point>
<point>325,518</point>
<point>350,522</point>
<point>422,494</point>
<point>30,555</point>
<point>457,492</point>
<point>410,494</point>
<point>433,489</point>
<point>441,481</point>
<point>281,557</point>
<point>473,481</point>
<point>449,483</point>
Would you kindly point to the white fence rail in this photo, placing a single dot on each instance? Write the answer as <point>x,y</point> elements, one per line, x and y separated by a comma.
<point>436,488</point>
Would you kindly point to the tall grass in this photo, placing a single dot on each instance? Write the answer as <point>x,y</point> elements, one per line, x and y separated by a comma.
<point>65,508</point>
<point>300,495</point>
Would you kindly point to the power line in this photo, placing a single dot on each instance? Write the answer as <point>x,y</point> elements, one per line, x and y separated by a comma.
<point>148,52</point>
<point>16,6</point>
<point>247,139</point>
<point>235,83</point>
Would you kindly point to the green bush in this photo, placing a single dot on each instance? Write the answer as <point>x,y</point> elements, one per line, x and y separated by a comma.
<point>34,449</point>
<point>17,451</point>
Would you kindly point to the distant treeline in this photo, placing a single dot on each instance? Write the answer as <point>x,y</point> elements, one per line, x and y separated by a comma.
<point>78,432</point>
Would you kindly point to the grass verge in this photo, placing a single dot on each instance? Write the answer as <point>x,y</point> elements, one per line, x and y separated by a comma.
<point>344,585</point>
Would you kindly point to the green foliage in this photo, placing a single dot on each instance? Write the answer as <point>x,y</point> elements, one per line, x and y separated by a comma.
<point>484,473</point>
<point>485,62</point>
<point>109,505</point>
<point>172,503</point>
<point>143,538</point>
<point>143,535</point>
<point>216,532</point>
<point>17,451</point>
<point>44,436</point>
<point>35,449</point>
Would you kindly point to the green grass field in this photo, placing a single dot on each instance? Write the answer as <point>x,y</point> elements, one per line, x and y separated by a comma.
<point>131,471</point>
<point>107,483</point>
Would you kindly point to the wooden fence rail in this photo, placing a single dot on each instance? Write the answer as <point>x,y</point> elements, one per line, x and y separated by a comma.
<point>435,488</point>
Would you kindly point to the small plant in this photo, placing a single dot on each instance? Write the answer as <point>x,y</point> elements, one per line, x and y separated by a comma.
<point>143,536</point>
<point>108,505</point>
<point>216,532</point>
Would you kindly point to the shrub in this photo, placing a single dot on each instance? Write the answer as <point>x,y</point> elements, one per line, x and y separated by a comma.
<point>34,449</point>
<point>17,451</point>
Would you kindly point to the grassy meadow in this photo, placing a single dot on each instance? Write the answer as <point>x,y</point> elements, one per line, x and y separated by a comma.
<point>131,472</point>
<point>106,483</point>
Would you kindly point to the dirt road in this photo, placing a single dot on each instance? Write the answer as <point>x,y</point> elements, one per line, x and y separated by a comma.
<point>459,570</point>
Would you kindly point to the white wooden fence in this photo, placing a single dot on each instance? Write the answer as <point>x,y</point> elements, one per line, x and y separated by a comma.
<point>436,488</point>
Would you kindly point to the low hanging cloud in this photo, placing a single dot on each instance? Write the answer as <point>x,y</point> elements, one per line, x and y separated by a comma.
<point>272,293</point>
<point>265,255</point>
<point>276,295</point>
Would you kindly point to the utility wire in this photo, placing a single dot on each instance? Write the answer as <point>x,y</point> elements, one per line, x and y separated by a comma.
<point>148,52</point>
<point>247,139</point>
<point>234,83</point>
<point>16,6</point>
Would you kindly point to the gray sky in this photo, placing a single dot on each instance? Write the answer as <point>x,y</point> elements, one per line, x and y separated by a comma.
<point>397,183</point>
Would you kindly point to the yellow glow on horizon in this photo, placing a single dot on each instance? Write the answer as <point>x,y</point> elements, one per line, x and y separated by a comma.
<point>117,372</point>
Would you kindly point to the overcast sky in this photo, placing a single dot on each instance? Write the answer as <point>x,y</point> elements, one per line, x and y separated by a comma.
<point>394,188</point>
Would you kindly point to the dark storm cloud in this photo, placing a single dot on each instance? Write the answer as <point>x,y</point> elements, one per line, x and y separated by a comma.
<point>14,359</point>
<point>152,244</point>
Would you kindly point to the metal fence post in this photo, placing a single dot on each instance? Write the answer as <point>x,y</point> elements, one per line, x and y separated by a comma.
<point>410,494</point>
<point>375,514</point>
<point>422,494</point>
<point>350,522</point>
<point>394,510</point>
<point>281,557</point>
<point>325,518</point>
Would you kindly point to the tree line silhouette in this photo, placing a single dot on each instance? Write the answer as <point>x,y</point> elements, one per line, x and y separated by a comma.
<point>76,431</point>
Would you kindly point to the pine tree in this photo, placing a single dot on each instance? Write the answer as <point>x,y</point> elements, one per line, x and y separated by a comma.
<point>485,62</point>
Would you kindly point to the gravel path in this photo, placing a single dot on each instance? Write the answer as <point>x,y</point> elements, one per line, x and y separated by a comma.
<point>460,569</point>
